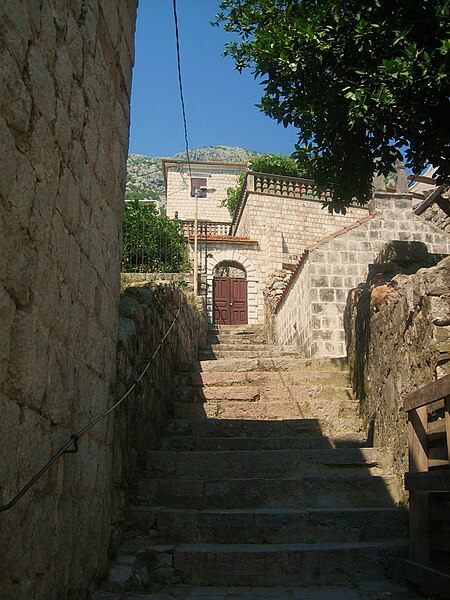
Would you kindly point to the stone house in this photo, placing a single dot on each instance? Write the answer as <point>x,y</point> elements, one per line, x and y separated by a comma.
<point>284,261</point>
<point>211,180</point>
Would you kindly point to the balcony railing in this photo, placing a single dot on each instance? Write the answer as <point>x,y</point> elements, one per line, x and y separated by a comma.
<point>277,185</point>
<point>206,228</point>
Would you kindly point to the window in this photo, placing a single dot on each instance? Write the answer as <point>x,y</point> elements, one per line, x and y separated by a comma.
<point>196,184</point>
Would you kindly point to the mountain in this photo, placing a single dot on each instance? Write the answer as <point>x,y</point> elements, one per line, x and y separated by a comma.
<point>227,153</point>
<point>145,180</point>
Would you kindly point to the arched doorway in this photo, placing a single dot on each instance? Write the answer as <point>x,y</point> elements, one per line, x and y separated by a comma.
<point>230,294</point>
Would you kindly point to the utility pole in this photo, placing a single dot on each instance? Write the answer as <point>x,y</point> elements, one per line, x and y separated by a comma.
<point>196,244</point>
<point>196,190</point>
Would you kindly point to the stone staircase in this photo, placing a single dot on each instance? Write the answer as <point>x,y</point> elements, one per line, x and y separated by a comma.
<point>264,487</point>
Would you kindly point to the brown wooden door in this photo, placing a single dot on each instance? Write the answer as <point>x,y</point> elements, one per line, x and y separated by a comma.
<point>230,301</point>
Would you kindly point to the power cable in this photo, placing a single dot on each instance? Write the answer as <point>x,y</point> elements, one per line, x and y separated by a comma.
<point>175,17</point>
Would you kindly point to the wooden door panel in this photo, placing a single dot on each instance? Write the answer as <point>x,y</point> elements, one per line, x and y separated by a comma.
<point>221,301</point>
<point>239,301</point>
<point>230,301</point>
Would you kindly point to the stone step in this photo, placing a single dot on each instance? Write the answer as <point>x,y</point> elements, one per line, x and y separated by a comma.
<point>364,590</point>
<point>248,347</point>
<point>236,341</point>
<point>298,394</point>
<point>264,364</point>
<point>267,463</point>
<point>236,330</point>
<point>253,564</point>
<point>282,380</point>
<point>269,410</point>
<point>221,352</point>
<point>185,442</point>
<point>270,526</point>
<point>255,428</point>
<point>362,491</point>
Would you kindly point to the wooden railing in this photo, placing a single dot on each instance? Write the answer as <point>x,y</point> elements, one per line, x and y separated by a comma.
<point>428,483</point>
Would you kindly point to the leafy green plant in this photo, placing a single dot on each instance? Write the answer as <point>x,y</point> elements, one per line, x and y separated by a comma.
<point>273,164</point>
<point>360,80</point>
<point>135,192</point>
<point>152,242</point>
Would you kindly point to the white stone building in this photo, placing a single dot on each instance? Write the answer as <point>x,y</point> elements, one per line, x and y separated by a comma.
<point>211,180</point>
<point>286,261</point>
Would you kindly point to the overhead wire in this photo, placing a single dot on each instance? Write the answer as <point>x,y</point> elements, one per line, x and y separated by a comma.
<point>180,82</point>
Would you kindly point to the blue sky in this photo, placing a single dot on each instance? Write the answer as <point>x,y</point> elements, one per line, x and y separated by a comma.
<point>220,103</point>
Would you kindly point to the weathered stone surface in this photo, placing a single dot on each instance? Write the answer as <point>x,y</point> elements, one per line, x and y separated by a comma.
<point>145,316</point>
<point>58,304</point>
<point>398,251</point>
<point>258,501</point>
<point>392,348</point>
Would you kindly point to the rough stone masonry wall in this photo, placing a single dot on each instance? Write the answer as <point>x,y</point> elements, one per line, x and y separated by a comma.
<point>146,312</point>
<point>64,116</point>
<point>394,335</point>
<point>338,264</point>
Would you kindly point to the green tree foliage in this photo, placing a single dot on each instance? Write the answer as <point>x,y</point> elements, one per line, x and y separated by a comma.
<point>273,164</point>
<point>152,242</point>
<point>360,79</point>
<point>135,192</point>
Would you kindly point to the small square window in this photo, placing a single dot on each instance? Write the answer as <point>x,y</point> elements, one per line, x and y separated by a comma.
<point>196,184</point>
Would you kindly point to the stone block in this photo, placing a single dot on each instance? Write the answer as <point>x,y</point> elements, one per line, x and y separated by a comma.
<point>404,251</point>
<point>8,159</point>
<point>47,33</point>
<point>87,283</point>
<point>63,74</point>
<point>336,282</point>
<point>28,363</point>
<point>327,295</point>
<point>16,31</point>
<point>41,212</point>
<point>10,430</point>
<point>77,108</point>
<point>23,190</point>
<point>63,129</point>
<point>15,101</point>
<point>17,260</point>
<point>7,313</point>
<point>44,156</point>
<point>42,85</point>
<point>74,44</point>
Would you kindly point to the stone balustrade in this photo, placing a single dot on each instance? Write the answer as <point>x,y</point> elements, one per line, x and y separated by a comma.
<point>210,228</point>
<point>281,185</point>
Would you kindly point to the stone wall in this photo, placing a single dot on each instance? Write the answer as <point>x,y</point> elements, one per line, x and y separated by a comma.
<point>395,333</point>
<point>339,263</point>
<point>179,192</point>
<point>300,222</point>
<point>64,118</point>
<point>146,313</point>
<point>183,280</point>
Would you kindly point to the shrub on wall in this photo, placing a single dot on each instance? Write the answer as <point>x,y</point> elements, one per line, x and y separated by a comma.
<point>272,164</point>
<point>152,242</point>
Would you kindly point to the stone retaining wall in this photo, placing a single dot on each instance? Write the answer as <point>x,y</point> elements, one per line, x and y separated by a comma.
<point>64,118</point>
<point>146,313</point>
<point>339,263</point>
<point>395,332</point>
